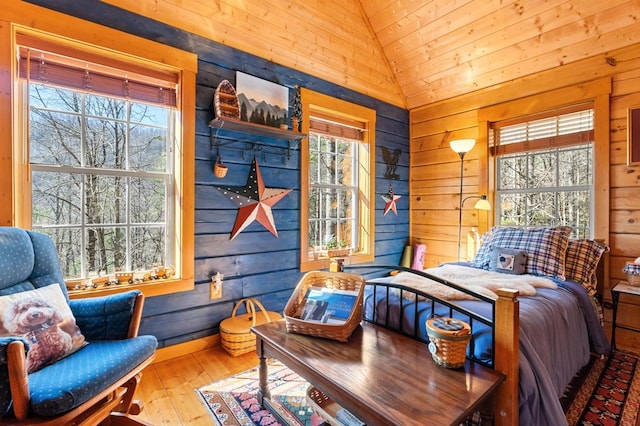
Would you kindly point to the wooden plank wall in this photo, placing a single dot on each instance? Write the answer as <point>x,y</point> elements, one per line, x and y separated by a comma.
<point>329,39</point>
<point>255,263</point>
<point>435,169</point>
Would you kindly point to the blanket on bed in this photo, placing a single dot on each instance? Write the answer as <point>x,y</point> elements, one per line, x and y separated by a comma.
<point>477,280</point>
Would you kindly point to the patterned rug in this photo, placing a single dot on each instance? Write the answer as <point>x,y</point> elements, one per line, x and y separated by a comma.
<point>606,392</point>
<point>233,401</point>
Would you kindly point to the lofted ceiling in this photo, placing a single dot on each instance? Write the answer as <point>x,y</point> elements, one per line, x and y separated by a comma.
<point>409,53</point>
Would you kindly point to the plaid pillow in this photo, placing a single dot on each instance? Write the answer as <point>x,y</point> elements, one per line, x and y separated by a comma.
<point>546,248</point>
<point>484,252</point>
<point>581,262</point>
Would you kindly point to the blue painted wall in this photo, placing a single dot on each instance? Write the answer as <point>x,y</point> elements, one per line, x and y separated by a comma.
<point>255,263</point>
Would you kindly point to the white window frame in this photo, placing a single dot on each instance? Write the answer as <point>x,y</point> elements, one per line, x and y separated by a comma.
<point>550,135</point>
<point>83,170</point>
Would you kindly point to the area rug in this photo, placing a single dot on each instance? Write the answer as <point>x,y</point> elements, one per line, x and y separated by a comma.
<point>233,401</point>
<point>606,393</point>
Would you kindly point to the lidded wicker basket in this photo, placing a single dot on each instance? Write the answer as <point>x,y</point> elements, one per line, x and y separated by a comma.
<point>331,280</point>
<point>632,270</point>
<point>448,338</point>
<point>235,332</point>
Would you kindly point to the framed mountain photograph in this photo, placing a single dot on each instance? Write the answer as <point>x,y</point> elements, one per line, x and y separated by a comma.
<point>261,101</point>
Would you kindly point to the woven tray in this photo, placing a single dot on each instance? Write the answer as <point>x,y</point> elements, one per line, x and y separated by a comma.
<point>332,280</point>
<point>235,331</point>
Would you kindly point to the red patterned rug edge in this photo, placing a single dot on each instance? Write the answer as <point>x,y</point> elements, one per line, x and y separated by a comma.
<point>604,387</point>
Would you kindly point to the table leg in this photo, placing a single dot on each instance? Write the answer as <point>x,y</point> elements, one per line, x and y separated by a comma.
<point>614,296</point>
<point>263,392</point>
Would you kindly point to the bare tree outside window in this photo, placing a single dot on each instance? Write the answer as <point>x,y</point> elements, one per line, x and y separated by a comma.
<point>100,179</point>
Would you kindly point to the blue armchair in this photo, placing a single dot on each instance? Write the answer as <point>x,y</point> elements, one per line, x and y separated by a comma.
<point>92,384</point>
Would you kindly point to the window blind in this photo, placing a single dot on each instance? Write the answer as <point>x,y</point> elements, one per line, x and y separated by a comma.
<point>337,126</point>
<point>40,65</point>
<point>562,129</point>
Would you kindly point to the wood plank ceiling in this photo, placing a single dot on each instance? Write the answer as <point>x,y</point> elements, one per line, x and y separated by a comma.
<point>409,53</point>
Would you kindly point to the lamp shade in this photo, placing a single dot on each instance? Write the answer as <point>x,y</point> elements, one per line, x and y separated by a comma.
<point>462,146</point>
<point>482,204</point>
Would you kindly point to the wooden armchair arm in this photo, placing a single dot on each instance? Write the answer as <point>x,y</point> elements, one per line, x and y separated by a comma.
<point>18,379</point>
<point>136,317</point>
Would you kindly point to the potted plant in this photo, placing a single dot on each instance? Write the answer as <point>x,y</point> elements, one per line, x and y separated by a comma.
<point>337,248</point>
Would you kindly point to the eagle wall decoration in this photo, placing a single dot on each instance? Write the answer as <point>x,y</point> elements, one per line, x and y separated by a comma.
<point>391,160</point>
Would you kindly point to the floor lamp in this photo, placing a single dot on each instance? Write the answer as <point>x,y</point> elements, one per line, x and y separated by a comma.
<point>461,147</point>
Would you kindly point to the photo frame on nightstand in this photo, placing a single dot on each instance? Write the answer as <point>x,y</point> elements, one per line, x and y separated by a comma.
<point>633,136</point>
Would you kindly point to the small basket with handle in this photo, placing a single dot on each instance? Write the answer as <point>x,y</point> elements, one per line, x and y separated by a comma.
<point>632,270</point>
<point>219,168</point>
<point>235,331</point>
<point>448,340</point>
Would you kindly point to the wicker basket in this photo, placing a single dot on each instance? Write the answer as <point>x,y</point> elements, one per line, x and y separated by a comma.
<point>332,280</point>
<point>448,341</point>
<point>235,332</point>
<point>633,273</point>
<point>324,406</point>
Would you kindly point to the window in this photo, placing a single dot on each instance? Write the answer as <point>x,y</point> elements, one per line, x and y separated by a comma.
<point>337,171</point>
<point>101,179</point>
<point>544,169</point>
<point>103,165</point>
<point>333,190</point>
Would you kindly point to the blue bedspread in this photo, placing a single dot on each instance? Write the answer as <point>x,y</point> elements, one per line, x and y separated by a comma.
<point>558,331</point>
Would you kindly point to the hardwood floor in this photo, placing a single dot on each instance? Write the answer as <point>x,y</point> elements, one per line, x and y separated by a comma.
<point>167,388</point>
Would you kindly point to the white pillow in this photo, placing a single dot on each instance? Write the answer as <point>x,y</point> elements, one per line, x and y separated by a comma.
<point>43,317</point>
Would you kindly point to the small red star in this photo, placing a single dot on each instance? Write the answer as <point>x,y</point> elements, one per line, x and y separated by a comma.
<point>390,198</point>
<point>255,201</point>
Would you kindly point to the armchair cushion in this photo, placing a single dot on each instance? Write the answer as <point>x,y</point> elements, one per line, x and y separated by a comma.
<point>104,318</point>
<point>73,380</point>
<point>28,260</point>
<point>41,316</point>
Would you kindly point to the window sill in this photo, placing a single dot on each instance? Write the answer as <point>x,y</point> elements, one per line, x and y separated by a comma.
<point>324,262</point>
<point>157,288</point>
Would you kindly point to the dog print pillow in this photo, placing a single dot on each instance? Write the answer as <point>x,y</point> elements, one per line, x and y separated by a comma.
<point>43,317</point>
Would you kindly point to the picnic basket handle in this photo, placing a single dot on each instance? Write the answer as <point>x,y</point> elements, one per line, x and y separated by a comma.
<point>250,306</point>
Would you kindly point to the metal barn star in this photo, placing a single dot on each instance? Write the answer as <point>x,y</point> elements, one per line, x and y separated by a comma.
<point>255,201</point>
<point>390,199</point>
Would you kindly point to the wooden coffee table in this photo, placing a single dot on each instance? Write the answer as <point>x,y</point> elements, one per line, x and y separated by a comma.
<point>380,376</point>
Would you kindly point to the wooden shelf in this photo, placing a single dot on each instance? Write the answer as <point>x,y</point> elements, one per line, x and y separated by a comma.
<point>255,129</point>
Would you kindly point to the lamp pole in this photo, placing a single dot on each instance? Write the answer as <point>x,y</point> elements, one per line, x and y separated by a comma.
<point>462,154</point>
<point>461,147</point>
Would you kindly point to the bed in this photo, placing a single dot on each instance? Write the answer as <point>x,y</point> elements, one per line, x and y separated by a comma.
<point>538,325</point>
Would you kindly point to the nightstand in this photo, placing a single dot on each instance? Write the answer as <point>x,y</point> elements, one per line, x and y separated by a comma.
<point>621,287</point>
